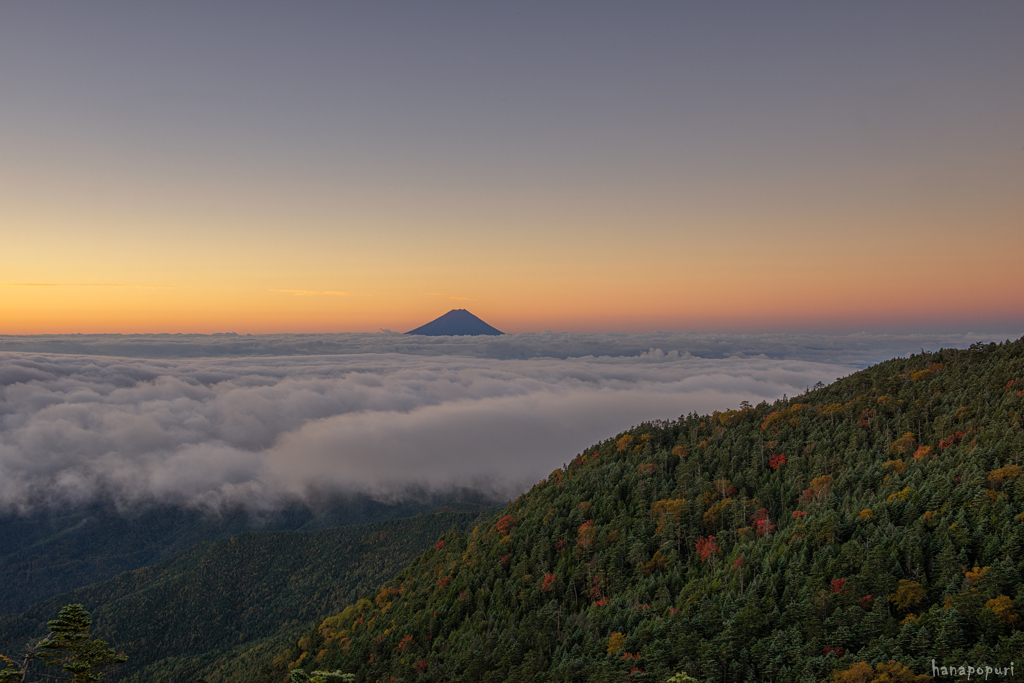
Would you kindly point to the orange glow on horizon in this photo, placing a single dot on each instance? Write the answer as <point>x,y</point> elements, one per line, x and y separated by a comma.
<point>712,269</point>
<point>690,304</point>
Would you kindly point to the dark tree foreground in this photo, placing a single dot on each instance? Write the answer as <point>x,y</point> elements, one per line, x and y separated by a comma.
<point>68,645</point>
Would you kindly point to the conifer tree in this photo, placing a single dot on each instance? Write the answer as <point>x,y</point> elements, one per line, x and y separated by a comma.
<point>69,646</point>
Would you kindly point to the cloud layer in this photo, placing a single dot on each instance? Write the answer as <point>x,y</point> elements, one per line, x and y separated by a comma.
<point>858,350</point>
<point>260,431</point>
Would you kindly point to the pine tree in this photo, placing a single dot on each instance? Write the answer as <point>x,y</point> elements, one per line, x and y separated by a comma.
<point>69,646</point>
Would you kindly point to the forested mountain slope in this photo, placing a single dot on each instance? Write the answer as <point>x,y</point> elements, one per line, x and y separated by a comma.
<point>55,551</point>
<point>52,552</point>
<point>177,617</point>
<point>879,518</point>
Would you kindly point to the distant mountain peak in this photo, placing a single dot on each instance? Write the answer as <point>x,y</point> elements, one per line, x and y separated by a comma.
<point>457,322</point>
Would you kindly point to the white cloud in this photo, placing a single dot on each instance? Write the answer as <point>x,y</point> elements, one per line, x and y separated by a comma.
<point>259,430</point>
<point>850,349</point>
<point>381,413</point>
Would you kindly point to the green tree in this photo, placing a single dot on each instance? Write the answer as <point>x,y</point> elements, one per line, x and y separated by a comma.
<point>11,670</point>
<point>69,646</point>
<point>682,677</point>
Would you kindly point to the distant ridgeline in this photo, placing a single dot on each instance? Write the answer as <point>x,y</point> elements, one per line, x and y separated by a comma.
<point>456,323</point>
<point>879,519</point>
<point>50,553</point>
<point>232,599</point>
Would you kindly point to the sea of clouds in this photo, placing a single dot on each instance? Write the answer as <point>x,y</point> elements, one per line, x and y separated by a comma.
<point>263,421</point>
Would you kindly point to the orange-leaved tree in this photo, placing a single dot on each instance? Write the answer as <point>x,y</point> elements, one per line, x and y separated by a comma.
<point>884,672</point>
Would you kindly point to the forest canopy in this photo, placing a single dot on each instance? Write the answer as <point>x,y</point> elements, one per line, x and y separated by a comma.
<point>858,531</point>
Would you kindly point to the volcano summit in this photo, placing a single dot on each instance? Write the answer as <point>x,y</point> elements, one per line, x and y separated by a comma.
<point>455,323</point>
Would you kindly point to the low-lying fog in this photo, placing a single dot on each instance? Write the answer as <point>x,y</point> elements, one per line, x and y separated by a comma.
<point>260,421</point>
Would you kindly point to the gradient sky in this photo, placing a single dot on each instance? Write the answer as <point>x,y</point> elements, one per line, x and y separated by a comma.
<point>340,167</point>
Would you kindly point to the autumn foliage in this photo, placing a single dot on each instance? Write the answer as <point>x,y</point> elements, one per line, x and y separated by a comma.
<point>659,561</point>
<point>506,524</point>
<point>789,415</point>
<point>820,486</point>
<point>951,440</point>
<point>973,576</point>
<point>883,672</point>
<point>707,548</point>
<point>586,534</point>
<point>1005,610</point>
<point>761,523</point>
<point>877,549</point>
<point>405,643</point>
<point>897,466</point>
<point>908,594</point>
<point>668,513</point>
<point>1003,474</point>
<point>904,444</point>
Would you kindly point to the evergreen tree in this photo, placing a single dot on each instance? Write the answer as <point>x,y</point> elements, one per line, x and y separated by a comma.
<point>69,646</point>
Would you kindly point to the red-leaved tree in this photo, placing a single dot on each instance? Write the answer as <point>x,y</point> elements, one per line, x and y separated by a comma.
<point>505,524</point>
<point>707,548</point>
<point>762,525</point>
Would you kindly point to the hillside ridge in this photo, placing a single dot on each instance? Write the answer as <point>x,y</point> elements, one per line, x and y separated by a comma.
<point>225,597</point>
<point>877,519</point>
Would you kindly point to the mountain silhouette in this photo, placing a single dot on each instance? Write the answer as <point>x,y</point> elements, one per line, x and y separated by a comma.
<point>457,322</point>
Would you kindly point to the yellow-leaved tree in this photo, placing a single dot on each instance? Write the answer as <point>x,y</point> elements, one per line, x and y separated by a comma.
<point>908,594</point>
<point>883,672</point>
<point>616,641</point>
